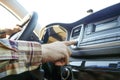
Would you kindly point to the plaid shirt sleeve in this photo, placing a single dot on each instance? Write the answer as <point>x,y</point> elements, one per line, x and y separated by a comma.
<point>18,56</point>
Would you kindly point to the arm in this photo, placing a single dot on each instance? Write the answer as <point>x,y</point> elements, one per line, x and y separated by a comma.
<point>21,56</point>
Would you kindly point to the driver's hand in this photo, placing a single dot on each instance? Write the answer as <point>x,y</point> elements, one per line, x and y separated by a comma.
<point>12,31</point>
<point>57,52</point>
<point>9,31</point>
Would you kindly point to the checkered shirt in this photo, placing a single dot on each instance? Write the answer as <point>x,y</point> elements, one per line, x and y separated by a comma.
<point>18,56</point>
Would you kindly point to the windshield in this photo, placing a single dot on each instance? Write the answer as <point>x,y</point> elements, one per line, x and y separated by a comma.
<point>65,11</point>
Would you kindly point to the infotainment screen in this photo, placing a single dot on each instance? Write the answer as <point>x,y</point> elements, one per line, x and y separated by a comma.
<point>76,31</point>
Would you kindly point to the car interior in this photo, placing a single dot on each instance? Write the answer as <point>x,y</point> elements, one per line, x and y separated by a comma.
<point>96,56</point>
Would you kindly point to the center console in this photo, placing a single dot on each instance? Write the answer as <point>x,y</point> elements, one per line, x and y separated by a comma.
<point>77,35</point>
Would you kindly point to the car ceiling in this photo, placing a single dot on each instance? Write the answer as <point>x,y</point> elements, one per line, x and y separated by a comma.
<point>14,7</point>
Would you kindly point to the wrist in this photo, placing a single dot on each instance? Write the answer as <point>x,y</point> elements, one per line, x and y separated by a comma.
<point>45,54</point>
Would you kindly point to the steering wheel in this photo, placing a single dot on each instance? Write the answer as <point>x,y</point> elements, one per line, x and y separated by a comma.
<point>28,25</point>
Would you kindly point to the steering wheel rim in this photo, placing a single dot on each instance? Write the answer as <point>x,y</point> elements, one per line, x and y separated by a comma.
<point>30,27</point>
<point>24,34</point>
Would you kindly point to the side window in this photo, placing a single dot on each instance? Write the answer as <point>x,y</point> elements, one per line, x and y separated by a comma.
<point>7,20</point>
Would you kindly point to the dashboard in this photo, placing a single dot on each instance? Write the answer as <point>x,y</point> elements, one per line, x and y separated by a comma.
<point>96,55</point>
<point>97,38</point>
<point>96,52</point>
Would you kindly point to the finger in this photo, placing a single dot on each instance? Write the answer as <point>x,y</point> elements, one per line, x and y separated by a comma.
<point>60,62</point>
<point>68,51</point>
<point>68,43</point>
<point>67,58</point>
